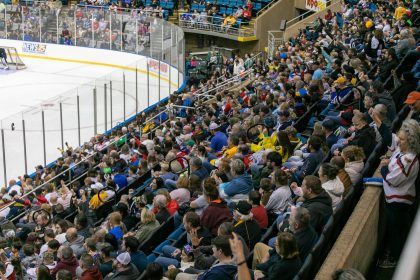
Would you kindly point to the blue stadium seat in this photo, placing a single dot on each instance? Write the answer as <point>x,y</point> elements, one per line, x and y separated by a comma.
<point>176,234</point>
<point>217,20</point>
<point>233,4</point>
<point>170,5</point>
<point>151,258</point>
<point>222,10</point>
<point>220,2</point>
<point>229,11</point>
<point>194,7</point>
<point>226,2</point>
<point>201,8</point>
<point>158,249</point>
<point>257,7</point>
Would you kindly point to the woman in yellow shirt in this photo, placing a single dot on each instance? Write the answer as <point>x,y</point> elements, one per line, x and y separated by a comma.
<point>278,141</point>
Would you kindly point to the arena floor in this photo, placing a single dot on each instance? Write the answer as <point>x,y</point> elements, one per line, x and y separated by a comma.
<point>42,86</point>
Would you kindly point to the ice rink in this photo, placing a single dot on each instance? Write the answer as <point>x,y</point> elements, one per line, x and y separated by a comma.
<point>46,83</point>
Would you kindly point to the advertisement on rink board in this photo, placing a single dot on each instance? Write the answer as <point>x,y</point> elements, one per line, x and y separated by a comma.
<point>37,48</point>
<point>316,5</point>
<point>154,67</point>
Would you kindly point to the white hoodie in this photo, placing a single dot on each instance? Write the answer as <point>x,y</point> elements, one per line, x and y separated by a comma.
<point>354,170</point>
<point>335,189</point>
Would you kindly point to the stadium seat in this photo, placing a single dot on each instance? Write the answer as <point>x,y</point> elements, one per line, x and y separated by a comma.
<point>194,7</point>
<point>257,7</point>
<point>305,270</point>
<point>233,4</point>
<point>158,249</point>
<point>176,234</point>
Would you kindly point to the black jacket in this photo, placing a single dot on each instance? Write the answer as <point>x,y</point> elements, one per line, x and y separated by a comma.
<point>305,239</point>
<point>250,232</point>
<point>365,138</point>
<point>400,94</point>
<point>386,99</point>
<point>320,209</point>
<point>278,268</point>
<point>132,273</point>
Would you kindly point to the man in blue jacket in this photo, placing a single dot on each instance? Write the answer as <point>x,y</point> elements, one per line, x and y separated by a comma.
<point>241,182</point>
<point>224,267</point>
<point>311,162</point>
<point>130,244</point>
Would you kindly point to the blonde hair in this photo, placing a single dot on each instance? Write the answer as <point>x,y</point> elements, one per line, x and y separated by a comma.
<point>147,216</point>
<point>353,153</point>
<point>182,182</point>
<point>46,207</point>
<point>115,218</point>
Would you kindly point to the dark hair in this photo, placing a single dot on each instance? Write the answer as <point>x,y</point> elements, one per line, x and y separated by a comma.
<point>43,273</point>
<point>226,228</point>
<point>235,139</point>
<point>338,161</point>
<point>111,240</point>
<point>154,271</point>
<point>160,183</point>
<point>64,274</point>
<point>275,157</point>
<point>54,244</point>
<point>82,220</point>
<point>91,243</point>
<point>192,218</point>
<point>284,141</point>
<point>87,260</point>
<point>196,161</point>
<point>313,183</point>
<point>265,184</point>
<point>255,197</point>
<point>378,86</point>
<point>315,142</point>
<point>287,245</point>
<point>222,243</point>
<point>107,251</point>
<point>67,252</point>
<point>131,243</point>
<point>49,232</point>
<point>281,177</point>
<point>210,189</point>
<point>28,249</point>
<point>329,170</point>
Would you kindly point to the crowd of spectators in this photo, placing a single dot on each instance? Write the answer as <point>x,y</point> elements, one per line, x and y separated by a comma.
<point>249,168</point>
<point>213,14</point>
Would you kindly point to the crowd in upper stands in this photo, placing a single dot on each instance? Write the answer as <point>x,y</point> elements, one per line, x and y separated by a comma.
<point>279,150</point>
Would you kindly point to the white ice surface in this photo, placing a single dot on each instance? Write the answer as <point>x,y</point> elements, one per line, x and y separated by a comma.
<point>42,86</point>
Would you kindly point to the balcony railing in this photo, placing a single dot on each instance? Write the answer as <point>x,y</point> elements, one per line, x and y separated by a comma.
<point>216,25</point>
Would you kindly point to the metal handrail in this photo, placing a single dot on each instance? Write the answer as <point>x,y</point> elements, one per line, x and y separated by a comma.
<point>206,23</point>
<point>266,7</point>
<point>57,176</point>
<point>304,15</point>
<point>201,92</point>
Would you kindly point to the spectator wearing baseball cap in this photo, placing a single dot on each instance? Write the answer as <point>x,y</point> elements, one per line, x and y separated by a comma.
<point>413,99</point>
<point>123,268</point>
<point>245,225</point>
<point>219,139</point>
